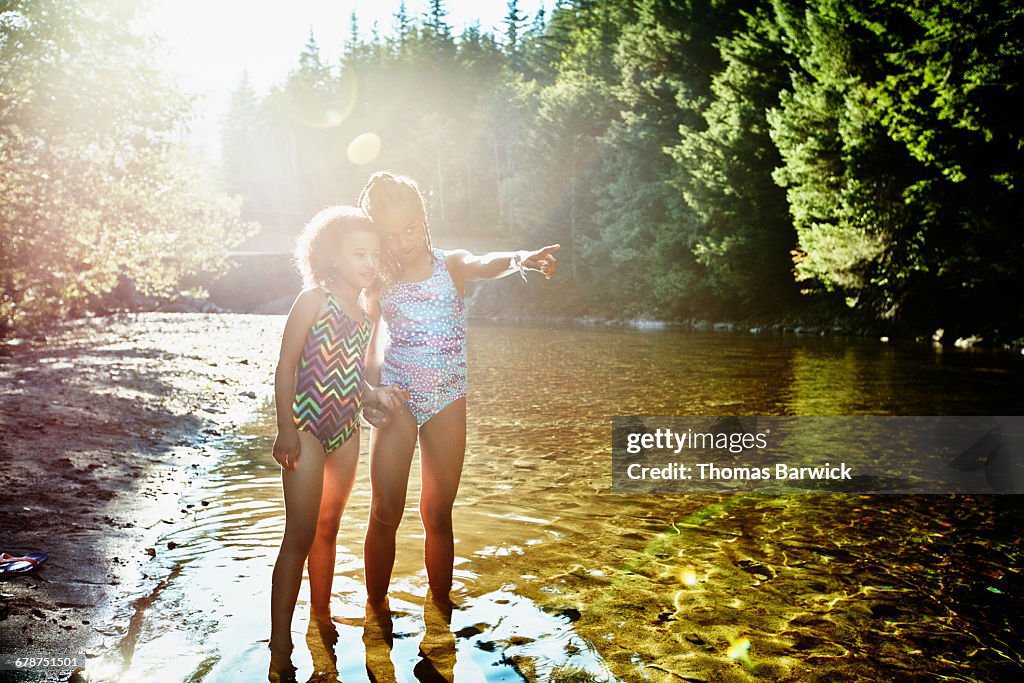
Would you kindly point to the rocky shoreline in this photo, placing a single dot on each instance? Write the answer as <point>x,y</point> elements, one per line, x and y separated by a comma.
<point>267,283</point>
<point>191,304</point>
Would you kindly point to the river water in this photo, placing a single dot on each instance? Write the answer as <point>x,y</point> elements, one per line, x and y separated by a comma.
<point>560,580</point>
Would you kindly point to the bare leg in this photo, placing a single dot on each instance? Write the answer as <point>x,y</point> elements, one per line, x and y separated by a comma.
<point>391,450</point>
<point>442,451</point>
<point>339,475</point>
<point>302,491</point>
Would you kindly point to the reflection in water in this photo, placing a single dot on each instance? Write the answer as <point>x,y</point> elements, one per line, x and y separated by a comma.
<point>560,580</point>
<point>378,639</point>
<point>437,649</point>
<point>322,639</point>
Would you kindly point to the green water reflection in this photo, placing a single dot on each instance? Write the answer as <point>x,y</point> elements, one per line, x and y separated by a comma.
<point>561,580</point>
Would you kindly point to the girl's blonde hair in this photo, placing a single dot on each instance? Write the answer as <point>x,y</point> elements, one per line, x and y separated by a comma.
<point>317,245</point>
<point>386,190</point>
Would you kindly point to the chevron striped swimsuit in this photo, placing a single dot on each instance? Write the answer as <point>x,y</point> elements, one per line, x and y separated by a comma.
<point>329,388</point>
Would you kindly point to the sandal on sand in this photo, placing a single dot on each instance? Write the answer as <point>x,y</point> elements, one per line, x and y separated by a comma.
<point>20,564</point>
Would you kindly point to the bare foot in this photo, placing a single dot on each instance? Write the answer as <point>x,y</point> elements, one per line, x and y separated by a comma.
<point>321,613</point>
<point>281,668</point>
<point>323,623</point>
<point>378,624</point>
<point>443,602</point>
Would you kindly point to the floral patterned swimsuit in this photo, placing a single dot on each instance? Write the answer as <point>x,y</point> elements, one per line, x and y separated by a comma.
<point>427,352</point>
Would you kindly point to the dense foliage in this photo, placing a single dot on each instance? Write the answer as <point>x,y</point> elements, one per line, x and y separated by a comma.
<point>694,157</point>
<point>94,188</point>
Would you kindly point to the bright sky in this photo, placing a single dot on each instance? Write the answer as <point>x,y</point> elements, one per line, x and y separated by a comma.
<point>208,44</point>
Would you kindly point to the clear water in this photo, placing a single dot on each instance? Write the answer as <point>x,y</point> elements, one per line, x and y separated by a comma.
<point>558,579</point>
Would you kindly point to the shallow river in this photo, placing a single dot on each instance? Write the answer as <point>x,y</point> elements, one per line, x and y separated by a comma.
<point>559,579</point>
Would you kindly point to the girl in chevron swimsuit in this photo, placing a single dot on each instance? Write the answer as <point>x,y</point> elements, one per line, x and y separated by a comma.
<point>319,388</point>
<point>421,302</point>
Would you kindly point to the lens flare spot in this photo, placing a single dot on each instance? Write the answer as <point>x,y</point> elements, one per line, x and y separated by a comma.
<point>333,118</point>
<point>364,148</point>
<point>314,111</point>
<point>739,649</point>
<point>688,577</point>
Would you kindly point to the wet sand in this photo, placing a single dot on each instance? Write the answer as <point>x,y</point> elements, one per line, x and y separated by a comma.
<point>105,422</point>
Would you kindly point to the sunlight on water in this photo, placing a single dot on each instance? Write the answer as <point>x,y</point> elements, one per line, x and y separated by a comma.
<point>559,580</point>
<point>739,649</point>
<point>688,576</point>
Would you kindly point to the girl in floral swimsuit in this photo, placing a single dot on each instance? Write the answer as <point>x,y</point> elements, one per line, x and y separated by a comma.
<point>421,302</point>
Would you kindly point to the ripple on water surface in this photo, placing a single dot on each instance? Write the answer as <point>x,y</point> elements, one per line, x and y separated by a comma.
<point>558,579</point>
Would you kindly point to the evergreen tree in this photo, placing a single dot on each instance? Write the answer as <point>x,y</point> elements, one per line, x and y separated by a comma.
<point>514,23</point>
<point>593,32</point>
<point>533,58</point>
<point>435,23</point>
<point>900,157</point>
<point>539,22</point>
<point>403,24</point>
<point>950,96</point>
<point>312,75</point>
<point>664,58</point>
<point>240,135</point>
<point>354,40</point>
<point>849,222</point>
<point>545,57</point>
<point>745,234</point>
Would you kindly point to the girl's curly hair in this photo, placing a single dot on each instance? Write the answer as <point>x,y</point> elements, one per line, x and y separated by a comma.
<point>318,243</point>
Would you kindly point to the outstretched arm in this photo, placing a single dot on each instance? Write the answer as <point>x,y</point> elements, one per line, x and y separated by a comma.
<point>467,267</point>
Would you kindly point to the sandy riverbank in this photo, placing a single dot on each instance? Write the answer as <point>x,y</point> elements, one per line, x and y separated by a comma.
<point>104,423</point>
